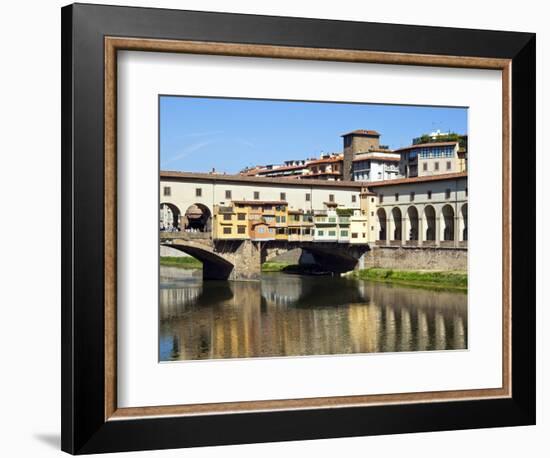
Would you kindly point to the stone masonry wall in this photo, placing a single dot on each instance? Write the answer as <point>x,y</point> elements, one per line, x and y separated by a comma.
<point>416,258</point>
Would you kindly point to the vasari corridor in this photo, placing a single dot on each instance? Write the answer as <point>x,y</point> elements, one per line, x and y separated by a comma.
<point>361,250</point>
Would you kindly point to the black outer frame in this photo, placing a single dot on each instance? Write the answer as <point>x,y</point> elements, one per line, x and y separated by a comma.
<point>84,429</point>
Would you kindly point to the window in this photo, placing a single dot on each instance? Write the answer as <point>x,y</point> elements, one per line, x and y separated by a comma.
<point>256,195</point>
<point>320,232</point>
<point>228,194</point>
<point>227,230</point>
<point>331,197</point>
<point>381,198</point>
<point>167,191</point>
<point>241,216</point>
<point>261,230</point>
<point>227,217</point>
<point>354,198</point>
<point>283,219</point>
<point>308,197</point>
<point>397,197</point>
<point>372,199</point>
<point>241,229</point>
<point>354,235</point>
<point>412,195</point>
<point>466,190</point>
<point>343,233</point>
<point>425,166</point>
<point>447,193</point>
<point>198,192</point>
<point>448,165</point>
<point>371,213</point>
<point>436,165</point>
<point>283,196</point>
<point>332,233</point>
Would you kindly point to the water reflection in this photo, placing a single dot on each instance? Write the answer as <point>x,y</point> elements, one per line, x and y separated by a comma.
<point>287,315</point>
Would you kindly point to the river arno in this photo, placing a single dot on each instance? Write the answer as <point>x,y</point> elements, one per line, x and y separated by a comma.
<point>291,315</point>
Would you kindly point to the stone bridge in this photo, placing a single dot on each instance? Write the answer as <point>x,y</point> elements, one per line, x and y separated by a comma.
<point>242,259</point>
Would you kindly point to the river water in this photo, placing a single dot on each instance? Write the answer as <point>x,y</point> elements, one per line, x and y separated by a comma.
<point>292,315</point>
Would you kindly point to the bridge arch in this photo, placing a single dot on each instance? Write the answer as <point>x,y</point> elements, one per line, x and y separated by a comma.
<point>429,223</point>
<point>214,266</point>
<point>334,258</point>
<point>198,217</point>
<point>170,216</point>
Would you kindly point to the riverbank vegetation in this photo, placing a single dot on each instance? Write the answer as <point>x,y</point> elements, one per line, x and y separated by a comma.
<point>184,262</point>
<point>274,266</point>
<point>425,279</point>
<point>299,269</point>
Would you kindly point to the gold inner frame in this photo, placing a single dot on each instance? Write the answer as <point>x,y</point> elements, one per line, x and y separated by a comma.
<point>114,44</point>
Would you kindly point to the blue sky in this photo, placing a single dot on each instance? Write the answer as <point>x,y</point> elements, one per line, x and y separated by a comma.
<point>198,133</point>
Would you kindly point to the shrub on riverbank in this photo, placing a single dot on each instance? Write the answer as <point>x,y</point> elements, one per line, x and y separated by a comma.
<point>432,279</point>
<point>274,266</point>
<point>184,262</point>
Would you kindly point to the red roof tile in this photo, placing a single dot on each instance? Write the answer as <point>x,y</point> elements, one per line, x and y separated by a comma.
<point>371,133</point>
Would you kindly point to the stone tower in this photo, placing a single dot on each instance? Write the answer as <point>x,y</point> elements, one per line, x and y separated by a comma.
<point>358,141</point>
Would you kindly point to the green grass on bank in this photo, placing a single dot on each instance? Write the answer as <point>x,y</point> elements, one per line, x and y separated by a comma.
<point>274,266</point>
<point>426,279</point>
<point>192,263</point>
<point>184,262</point>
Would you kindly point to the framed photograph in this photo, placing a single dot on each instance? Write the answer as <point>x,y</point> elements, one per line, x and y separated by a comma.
<point>281,228</point>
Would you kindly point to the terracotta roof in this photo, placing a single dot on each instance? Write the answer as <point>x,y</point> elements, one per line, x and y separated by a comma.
<point>425,145</point>
<point>284,181</point>
<point>379,150</point>
<point>326,160</point>
<point>282,168</point>
<point>260,202</point>
<point>444,176</point>
<point>362,132</point>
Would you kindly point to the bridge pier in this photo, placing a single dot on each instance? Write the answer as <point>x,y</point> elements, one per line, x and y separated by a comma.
<point>244,256</point>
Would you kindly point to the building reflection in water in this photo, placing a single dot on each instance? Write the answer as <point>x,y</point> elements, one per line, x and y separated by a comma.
<point>288,315</point>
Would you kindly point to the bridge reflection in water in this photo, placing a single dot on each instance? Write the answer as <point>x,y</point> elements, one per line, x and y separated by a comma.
<point>286,315</point>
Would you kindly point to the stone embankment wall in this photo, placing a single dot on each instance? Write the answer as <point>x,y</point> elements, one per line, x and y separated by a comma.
<point>416,258</point>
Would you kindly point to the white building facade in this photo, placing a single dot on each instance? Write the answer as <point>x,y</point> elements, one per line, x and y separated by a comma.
<point>427,211</point>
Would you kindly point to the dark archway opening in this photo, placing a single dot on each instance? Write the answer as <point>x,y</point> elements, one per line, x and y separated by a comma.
<point>429,215</point>
<point>198,218</point>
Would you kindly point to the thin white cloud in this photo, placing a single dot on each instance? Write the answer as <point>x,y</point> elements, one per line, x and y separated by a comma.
<point>188,150</point>
<point>203,134</point>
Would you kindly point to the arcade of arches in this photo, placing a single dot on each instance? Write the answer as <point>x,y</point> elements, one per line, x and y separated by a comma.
<point>423,225</point>
<point>197,217</point>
